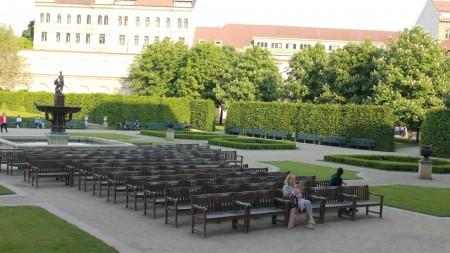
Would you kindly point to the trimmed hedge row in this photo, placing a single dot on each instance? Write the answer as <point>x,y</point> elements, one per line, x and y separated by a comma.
<point>436,131</point>
<point>350,121</point>
<point>392,163</point>
<point>184,135</point>
<point>251,143</point>
<point>118,107</point>
<point>203,115</point>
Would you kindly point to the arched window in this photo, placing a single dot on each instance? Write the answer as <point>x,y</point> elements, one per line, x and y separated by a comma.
<point>48,18</point>
<point>125,21</point>
<point>186,23</point>
<point>69,19</point>
<point>100,20</point>
<point>138,21</point>
<point>42,17</point>
<point>158,22</point>
<point>167,22</point>
<point>58,19</point>
<point>120,20</point>
<point>88,20</point>
<point>179,23</point>
<point>78,19</point>
<point>105,20</point>
<point>447,34</point>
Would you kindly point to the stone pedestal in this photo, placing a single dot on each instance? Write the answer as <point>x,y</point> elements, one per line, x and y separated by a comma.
<point>57,138</point>
<point>59,100</point>
<point>425,169</point>
<point>170,134</point>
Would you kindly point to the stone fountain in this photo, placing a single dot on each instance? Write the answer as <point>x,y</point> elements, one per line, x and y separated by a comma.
<point>58,115</point>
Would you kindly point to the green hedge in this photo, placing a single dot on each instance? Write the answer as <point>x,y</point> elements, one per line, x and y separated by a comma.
<point>393,163</point>
<point>118,107</point>
<point>184,135</point>
<point>251,143</point>
<point>350,121</point>
<point>203,115</point>
<point>436,131</point>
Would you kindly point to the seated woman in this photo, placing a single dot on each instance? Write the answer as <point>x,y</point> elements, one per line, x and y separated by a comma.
<point>292,190</point>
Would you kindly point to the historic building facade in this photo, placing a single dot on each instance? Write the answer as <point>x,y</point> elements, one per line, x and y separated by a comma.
<point>94,41</point>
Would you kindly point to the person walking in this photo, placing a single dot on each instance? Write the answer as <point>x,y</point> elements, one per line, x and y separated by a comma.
<point>4,122</point>
<point>18,121</point>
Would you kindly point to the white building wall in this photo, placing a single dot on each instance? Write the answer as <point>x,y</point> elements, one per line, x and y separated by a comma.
<point>429,19</point>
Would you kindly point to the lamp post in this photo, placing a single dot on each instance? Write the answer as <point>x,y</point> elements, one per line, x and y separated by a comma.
<point>426,165</point>
<point>105,121</point>
<point>86,117</point>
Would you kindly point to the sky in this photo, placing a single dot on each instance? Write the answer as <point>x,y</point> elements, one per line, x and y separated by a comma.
<point>391,15</point>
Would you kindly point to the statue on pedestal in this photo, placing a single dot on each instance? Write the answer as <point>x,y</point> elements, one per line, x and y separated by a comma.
<point>59,84</point>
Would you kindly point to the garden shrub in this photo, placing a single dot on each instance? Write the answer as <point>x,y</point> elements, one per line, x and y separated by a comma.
<point>350,121</point>
<point>184,134</point>
<point>251,143</point>
<point>436,131</point>
<point>203,114</point>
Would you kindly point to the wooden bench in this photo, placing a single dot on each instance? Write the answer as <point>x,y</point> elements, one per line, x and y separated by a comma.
<point>216,207</point>
<point>154,194</point>
<point>305,137</point>
<point>333,140</point>
<point>233,130</point>
<point>361,143</point>
<point>362,195</point>
<point>51,170</point>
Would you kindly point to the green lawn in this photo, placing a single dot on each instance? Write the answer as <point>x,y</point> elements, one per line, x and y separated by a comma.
<point>109,136</point>
<point>428,200</point>
<point>399,144</point>
<point>220,128</point>
<point>5,191</point>
<point>26,229</point>
<point>306,169</point>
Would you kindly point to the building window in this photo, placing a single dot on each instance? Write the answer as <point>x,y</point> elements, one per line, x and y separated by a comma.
<point>186,23</point>
<point>147,22</point>
<point>287,45</point>
<point>42,17</point>
<point>101,39</point>
<point>69,19</point>
<point>167,22</point>
<point>330,48</point>
<point>100,20</point>
<point>146,40</point>
<point>179,23</point>
<point>182,39</point>
<point>43,36</point>
<point>122,40</point>
<point>125,21</point>
<point>105,20</point>
<point>447,34</point>
<point>88,38</point>
<point>58,37</point>
<point>88,20</point>
<point>58,19</point>
<point>77,38</point>
<point>120,20</point>
<point>47,18</point>
<point>156,39</point>
<point>67,37</point>
<point>138,21</point>
<point>136,40</point>
<point>78,19</point>
<point>158,22</point>
<point>294,46</point>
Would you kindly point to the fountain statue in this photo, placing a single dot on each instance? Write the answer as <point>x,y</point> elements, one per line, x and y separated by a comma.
<point>58,115</point>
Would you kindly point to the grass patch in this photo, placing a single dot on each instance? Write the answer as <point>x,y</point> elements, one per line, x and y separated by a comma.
<point>307,169</point>
<point>427,200</point>
<point>402,144</point>
<point>251,143</point>
<point>184,134</point>
<point>389,162</point>
<point>220,128</point>
<point>110,136</point>
<point>27,229</point>
<point>5,191</point>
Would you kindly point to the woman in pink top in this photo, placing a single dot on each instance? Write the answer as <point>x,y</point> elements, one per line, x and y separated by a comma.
<point>4,121</point>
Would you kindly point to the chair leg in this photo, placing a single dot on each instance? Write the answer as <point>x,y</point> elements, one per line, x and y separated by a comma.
<point>135,201</point>
<point>204,228</point>
<point>127,198</point>
<point>154,210</point>
<point>192,224</point>
<point>145,205</point>
<point>367,210</point>
<point>176,217</point>
<point>166,219</point>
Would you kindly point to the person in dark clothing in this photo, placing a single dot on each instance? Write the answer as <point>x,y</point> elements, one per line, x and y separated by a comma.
<point>336,179</point>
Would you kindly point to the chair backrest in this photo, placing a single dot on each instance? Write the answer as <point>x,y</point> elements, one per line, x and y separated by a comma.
<point>218,202</point>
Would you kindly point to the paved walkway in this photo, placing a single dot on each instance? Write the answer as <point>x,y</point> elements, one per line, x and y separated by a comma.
<point>129,231</point>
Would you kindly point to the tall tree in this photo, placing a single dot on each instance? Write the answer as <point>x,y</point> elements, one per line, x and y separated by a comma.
<point>350,71</point>
<point>155,71</point>
<point>12,66</point>
<point>413,77</point>
<point>29,32</point>
<point>307,75</point>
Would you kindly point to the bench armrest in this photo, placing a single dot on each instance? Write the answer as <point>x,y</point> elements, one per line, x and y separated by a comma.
<point>317,197</point>
<point>349,196</point>
<point>376,194</point>
<point>284,201</point>
<point>243,204</point>
<point>201,208</point>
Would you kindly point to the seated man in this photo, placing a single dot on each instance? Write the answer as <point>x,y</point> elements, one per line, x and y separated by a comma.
<point>336,179</point>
